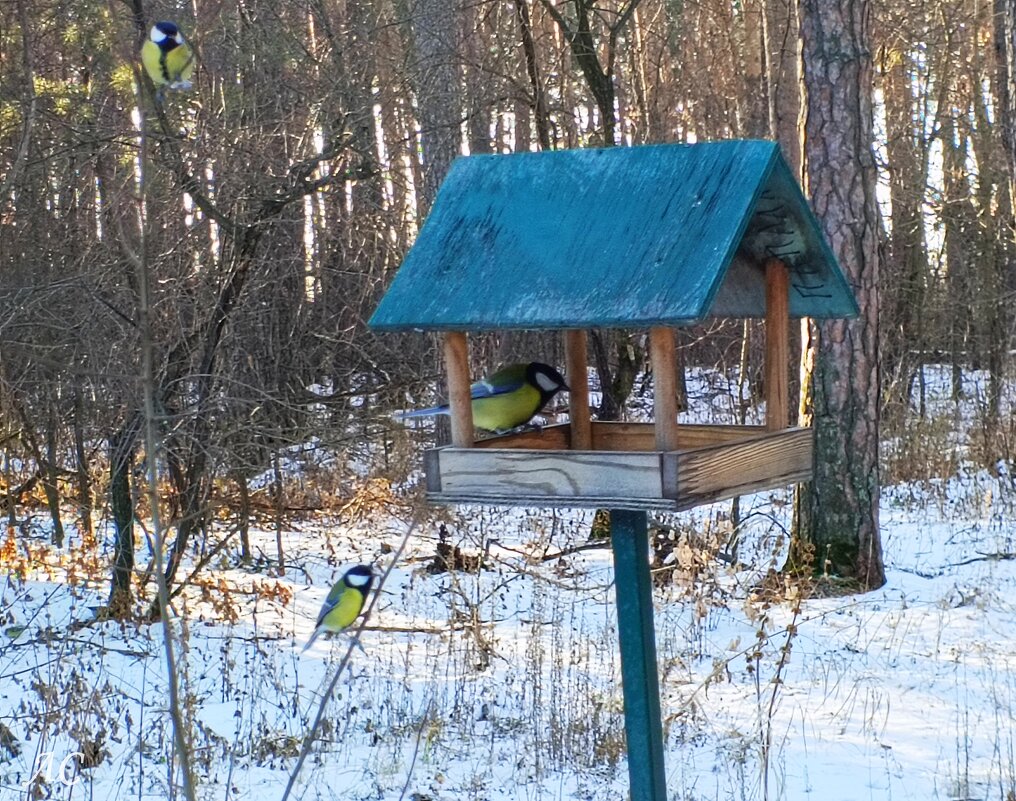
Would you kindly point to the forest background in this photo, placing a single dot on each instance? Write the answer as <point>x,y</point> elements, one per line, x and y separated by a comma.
<point>280,195</point>
<point>230,256</point>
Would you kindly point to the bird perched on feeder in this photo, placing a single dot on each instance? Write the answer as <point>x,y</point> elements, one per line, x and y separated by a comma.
<point>508,398</point>
<point>167,57</point>
<point>344,603</point>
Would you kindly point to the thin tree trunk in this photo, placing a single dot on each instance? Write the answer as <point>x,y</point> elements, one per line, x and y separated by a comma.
<point>991,190</point>
<point>244,519</point>
<point>50,474</point>
<point>958,222</point>
<point>907,264</point>
<point>1005,71</point>
<point>122,447</point>
<point>45,465</point>
<point>783,50</point>
<point>280,502</point>
<point>83,478</point>
<point>538,98</point>
<point>477,86</point>
<point>436,80</point>
<point>743,404</point>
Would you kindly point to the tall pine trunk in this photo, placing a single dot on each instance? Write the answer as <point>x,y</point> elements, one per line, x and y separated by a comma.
<point>841,515</point>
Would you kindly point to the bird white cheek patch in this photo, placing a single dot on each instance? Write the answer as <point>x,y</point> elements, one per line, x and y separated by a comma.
<point>546,383</point>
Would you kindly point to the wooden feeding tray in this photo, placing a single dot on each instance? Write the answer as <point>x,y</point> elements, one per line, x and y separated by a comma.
<point>623,470</point>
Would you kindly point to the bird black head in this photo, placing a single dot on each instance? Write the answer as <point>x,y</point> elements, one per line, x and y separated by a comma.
<point>546,379</point>
<point>166,35</point>
<point>359,577</point>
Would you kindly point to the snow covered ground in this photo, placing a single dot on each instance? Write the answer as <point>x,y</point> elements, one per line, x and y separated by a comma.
<point>505,684</point>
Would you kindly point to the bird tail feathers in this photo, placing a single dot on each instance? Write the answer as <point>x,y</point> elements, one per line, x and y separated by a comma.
<point>348,635</point>
<point>313,637</point>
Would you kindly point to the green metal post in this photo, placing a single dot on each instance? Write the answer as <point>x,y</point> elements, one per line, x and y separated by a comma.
<point>629,538</point>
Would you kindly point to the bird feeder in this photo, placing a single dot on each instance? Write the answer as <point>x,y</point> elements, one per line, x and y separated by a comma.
<point>652,237</point>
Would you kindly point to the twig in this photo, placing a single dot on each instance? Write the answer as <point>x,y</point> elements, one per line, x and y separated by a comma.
<point>416,748</point>
<point>777,680</point>
<point>427,629</point>
<point>204,561</point>
<point>308,741</point>
<point>151,439</point>
<point>1005,556</point>
<point>585,546</point>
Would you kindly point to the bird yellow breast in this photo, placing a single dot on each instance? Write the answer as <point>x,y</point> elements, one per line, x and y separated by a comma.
<point>501,412</point>
<point>176,68</point>
<point>344,612</point>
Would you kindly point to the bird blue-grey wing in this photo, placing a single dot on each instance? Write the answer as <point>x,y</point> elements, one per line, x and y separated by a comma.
<point>422,412</point>
<point>481,389</point>
<point>504,381</point>
<point>330,601</point>
<point>484,389</point>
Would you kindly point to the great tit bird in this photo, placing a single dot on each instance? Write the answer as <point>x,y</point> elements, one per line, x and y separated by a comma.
<point>508,398</point>
<point>345,601</point>
<point>167,57</point>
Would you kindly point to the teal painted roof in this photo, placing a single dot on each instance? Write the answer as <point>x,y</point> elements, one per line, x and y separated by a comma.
<point>614,237</point>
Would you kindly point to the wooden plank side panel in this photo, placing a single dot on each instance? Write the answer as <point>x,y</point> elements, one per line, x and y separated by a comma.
<point>638,437</point>
<point>642,436</point>
<point>593,502</point>
<point>549,475</point>
<point>549,438</point>
<point>697,436</point>
<point>621,479</point>
<point>624,437</point>
<point>705,475</point>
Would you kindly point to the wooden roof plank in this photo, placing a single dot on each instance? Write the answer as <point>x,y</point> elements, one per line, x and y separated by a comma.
<point>613,237</point>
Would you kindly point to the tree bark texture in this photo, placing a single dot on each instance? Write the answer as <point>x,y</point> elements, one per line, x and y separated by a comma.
<point>121,500</point>
<point>436,82</point>
<point>843,518</point>
<point>1005,52</point>
<point>907,263</point>
<point>539,99</point>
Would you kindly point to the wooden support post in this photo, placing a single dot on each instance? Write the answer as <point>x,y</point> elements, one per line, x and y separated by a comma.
<point>577,376</point>
<point>456,355</point>
<point>777,366</point>
<point>629,539</point>
<point>663,353</point>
